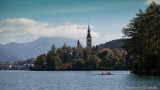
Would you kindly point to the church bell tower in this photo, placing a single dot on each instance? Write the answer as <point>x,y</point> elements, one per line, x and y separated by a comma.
<point>88,39</point>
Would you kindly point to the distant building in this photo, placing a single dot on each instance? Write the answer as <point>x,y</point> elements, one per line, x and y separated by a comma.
<point>79,49</point>
<point>66,66</point>
<point>88,39</point>
<point>79,46</point>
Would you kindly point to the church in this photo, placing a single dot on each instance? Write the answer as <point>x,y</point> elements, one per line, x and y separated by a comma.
<point>88,41</point>
<point>79,49</point>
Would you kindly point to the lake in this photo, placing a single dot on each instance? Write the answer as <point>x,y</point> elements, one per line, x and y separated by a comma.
<point>76,80</point>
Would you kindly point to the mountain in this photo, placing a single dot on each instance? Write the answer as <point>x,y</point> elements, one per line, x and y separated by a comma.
<point>21,51</point>
<point>7,55</point>
<point>118,43</point>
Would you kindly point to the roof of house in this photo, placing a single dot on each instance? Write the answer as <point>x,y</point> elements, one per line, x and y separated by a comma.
<point>66,64</point>
<point>79,47</point>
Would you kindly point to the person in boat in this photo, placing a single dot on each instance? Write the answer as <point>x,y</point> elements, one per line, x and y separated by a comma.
<point>106,73</point>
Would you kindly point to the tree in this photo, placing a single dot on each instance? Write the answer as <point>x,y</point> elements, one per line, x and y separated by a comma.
<point>50,54</point>
<point>105,63</point>
<point>53,48</point>
<point>143,43</point>
<point>79,64</point>
<point>55,63</point>
<point>93,62</point>
<point>66,54</point>
<point>40,62</point>
<point>86,54</point>
<point>1,66</point>
<point>103,54</point>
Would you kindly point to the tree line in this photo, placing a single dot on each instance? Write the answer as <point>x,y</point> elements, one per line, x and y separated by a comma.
<point>94,59</point>
<point>118,43</point>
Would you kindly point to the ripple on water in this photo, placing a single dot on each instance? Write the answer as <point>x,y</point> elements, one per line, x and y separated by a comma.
<point>71,80</point>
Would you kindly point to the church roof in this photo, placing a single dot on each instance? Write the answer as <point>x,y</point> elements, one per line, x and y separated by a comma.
<point>79,47</point>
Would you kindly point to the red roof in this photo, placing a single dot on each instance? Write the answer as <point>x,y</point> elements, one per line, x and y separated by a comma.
<point>79,47</point>
<point>66,64</point>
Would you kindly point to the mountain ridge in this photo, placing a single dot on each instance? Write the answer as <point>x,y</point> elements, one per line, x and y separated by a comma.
<point>32,49</point>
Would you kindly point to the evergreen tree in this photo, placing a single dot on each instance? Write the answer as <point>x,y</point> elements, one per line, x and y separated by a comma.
<point>93,62</point>
<point>143,43</point>
<point>40,62</point>
<point>79,64</point>
<point>1,66</point>
<point>55,63</point>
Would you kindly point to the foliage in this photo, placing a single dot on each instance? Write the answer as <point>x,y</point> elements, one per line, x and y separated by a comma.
<point>1,66</point>
<point>66,54</point>
<point>51,61</point>
<point>93,62</point>
<point>118,43</point>
<point>93,59</point>
<point>143,43</point>
<point>79,64</point>
<point>55,63</point>
<point>40,62</point>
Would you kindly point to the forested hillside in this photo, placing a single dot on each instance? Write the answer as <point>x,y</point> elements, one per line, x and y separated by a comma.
<point>118,43</point>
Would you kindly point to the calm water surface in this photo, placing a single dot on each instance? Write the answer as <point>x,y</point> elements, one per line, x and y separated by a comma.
<point>75,80</point>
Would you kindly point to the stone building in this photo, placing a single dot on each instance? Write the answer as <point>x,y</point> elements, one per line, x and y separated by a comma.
<point>88,39</point>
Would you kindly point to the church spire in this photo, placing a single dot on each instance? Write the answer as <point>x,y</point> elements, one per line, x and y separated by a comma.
<point>89,39</point>
<point>78,42</point>
<point>88,34</point>
<point>88,27</point>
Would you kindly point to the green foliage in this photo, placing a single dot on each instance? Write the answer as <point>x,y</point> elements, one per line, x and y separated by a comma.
<point>49,57</point>
<point>53,48</point>
<point>1,66</point>
<point>55,63</point>
<point>50,62</point>
<point>86,53</point>
<point>103,54</point>
<point>118,43</point>
<point>40,62</point>
<point>66,54</point>
<point>93,59</point>
<point>79,64</point>
<point>143,43</point>
<point>93,62</point>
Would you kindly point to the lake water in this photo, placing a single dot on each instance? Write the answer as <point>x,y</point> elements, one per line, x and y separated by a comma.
<point>76,80</point>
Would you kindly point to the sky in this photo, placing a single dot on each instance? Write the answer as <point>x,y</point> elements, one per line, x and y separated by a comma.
<point>23,21</point>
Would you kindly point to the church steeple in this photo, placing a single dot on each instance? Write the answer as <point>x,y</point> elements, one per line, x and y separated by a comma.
<point>78,42</point>
<point>88,28</point>
<point>88,35</point>
<point>88,39</point>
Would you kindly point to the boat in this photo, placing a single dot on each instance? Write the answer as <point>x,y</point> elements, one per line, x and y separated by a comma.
<point>27,70</point>
<point>106,73</point>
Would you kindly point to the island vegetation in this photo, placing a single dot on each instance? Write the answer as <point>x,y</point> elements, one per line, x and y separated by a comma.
<point>143,41</point>
<point>95,59</point>
<point>1,66</point>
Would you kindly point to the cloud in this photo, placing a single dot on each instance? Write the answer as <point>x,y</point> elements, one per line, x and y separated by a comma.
<point>150,1</point>
<point>23,30</point>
